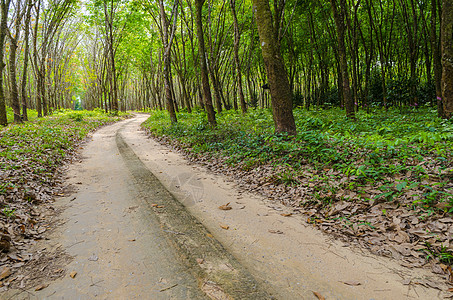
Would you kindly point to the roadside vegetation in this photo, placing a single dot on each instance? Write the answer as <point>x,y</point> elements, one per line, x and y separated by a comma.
<point>383,180</point>
<point>31,157</point>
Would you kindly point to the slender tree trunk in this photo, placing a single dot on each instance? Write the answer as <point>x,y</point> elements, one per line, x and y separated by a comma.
<point>447,58</point>
<point>167,63</point>
<point>237,37</point>
<point>281,94</point>
<point>3,28</point>
<point>14,37</point>
<point>26,58</point>
<point>338,16</point>
<point>437,59</point>
<point>203,68</point>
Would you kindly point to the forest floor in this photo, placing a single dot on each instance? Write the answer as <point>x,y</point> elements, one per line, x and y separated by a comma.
<point>121,234</point>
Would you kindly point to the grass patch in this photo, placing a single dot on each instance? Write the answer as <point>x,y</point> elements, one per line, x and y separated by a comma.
<point>31,152</point>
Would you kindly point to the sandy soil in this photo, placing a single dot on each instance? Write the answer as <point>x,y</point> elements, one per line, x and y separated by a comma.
<point>124,247</point>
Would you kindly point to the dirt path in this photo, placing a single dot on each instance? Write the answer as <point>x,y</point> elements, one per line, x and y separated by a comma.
<point>131,239</point>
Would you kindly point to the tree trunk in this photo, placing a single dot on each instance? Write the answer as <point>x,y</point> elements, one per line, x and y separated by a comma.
<point>447,58</point>
<point>203,68</point>
<point>338,16</point>
<point>281,94</point>
<point>437,60</point>
<point>26,58</point>
<point>3,28</point>
<point>167,63</point>
<point>14,37</point>
<point>237,37</point>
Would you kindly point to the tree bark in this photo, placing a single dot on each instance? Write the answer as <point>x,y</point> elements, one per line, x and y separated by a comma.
<point>447,58</point>
<point>167,60</point>
<point>237,37</point>
<point>338,16</point>
<point>14,38</point>
<point>26,58</point>
<point>437,59</point>
<point>3,28</point>
<point>207,97</point>
<point>281,94</point>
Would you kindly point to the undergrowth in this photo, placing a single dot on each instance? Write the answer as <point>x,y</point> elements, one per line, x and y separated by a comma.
<point>31,152</point>
<point>406,154</point>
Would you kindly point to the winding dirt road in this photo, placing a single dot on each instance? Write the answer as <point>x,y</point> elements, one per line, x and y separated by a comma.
<point>145,224</point>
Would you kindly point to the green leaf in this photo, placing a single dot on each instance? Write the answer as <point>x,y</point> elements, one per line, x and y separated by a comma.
<point>400,186</point>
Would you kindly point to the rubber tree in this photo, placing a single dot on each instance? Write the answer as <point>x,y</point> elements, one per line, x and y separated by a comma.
<point>3,29</point>
<point>167,40</point>
<point>338,15</point>
<point>109,17</point>
<point>25,61</point>
<point>237,37</point>
<point>14,36</point>
<point>447,57</point>
<point>436,52</point>
<point>281,94</point>
<point>207,97</point>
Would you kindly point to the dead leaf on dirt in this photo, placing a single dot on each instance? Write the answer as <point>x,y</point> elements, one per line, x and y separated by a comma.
<point>275,231</point>
<point>5,273</point>
<point>131,240</point>
<point>435,268</point>
<point>450,290</point>
<point>154,205</point>
<point>93,257</point>
<point>73,274</point>
<point>287,215</point>
<point>5,243</point>
<point>209,235</point>
<point>242,207</point>
<point>407,281</point>
<point>319,296</point>
<point>351,282</point>
<point>41,286</point>
<point>226,227</point>
<point>200,261</point>
<point>225,206</point>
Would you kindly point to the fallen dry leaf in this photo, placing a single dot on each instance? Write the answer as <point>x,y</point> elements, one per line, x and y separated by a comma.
<point>5,273</point>
<point>352,283</point>
<point>450,289</point>
<point>41,286</point>
<point>209,235</point>
<point>93,257</point>
<point>200,261</point>
<point>287,215</point>
<point>154,205</point>
<point>226,227</point>
<point>275,231</point>
<point>318,295</point>
<point>225,206</point>
<point>131,240</point>
<point>73,274</point>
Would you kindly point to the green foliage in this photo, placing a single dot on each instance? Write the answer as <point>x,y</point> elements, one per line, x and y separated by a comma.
<point>8,212</point>
<point>34,150</point>
<point>31,113</point>
<point>404,156</point>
